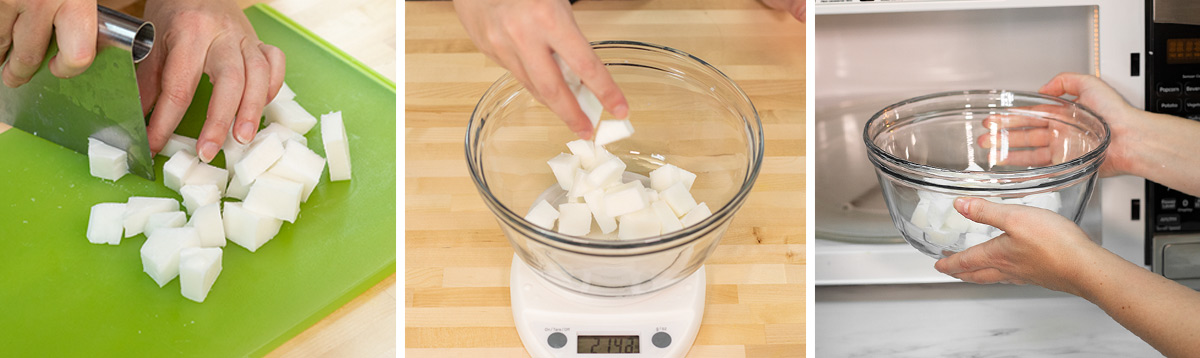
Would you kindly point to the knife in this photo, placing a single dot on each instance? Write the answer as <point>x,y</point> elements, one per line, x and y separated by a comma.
<point>101,103</point>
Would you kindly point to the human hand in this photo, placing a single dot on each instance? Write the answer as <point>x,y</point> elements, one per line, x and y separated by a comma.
<point>523,35</point>
<point>794,7</point>
<point>210,37</point>
<point>25,30</point>
<point>1038,246</point>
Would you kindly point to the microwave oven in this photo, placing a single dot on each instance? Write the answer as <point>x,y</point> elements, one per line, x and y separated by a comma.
<point>870,54</point>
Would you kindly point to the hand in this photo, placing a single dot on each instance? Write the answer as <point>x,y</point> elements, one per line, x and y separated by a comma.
<point>794,7</point>
<point>25,29</point>
<point>1038,246</point>
<point>210,37</point>
<point>522,36</point>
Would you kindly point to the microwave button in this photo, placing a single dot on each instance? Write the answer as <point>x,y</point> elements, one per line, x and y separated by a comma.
<point>1191,88</point>
<point>1168,219</point>
<point>1181,261</point>
<point>1168,204</point>
<point>1192,105</point>
<point>1169,88</point>
<point>1168,105</point>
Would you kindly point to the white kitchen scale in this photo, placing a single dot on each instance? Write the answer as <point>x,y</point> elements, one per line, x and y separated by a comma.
<point>555,322</point>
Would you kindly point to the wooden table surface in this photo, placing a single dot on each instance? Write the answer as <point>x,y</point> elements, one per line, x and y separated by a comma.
<point>456,258</point>
<point>365,29</point>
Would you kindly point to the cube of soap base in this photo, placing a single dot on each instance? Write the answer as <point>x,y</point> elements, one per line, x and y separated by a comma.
<point>208,224</point>
<point>248,229</point>
<point>284,134</point>
<point>198,270</point>
<point>563,166</point>
<point>105,223</point>
<point>589,103</point>
<point>920,215</point>
<point>178,143</point>
<point>337,145</point>
<point>301,165</point>
<point>696,215</point>
<point>105,161</point>
<point>236,189</point>
<point>639,224</point>
<point>595,203</point>
<point>138,209</point>
<point>285,94</point>
<point>160,253</point>
<point>941,238</point>
<point>624,199</point>
<point>1049,201</point>
<point>291,115</point>
<point>275,197</point>
<point>258,158</point>
<point>205,174</point>
<point>176,169</point>
<point>196,196</point>
<point>679,198</point>
<point>579,187</point>
<point>607,173</point>
<point>667,175</point>
<point>668,222</point>
<point>584,150</point>
<point>574,219</point>
<point>956,222</point>
<point>542,214</point>
<point>170,219</point>
<point>612,130</point>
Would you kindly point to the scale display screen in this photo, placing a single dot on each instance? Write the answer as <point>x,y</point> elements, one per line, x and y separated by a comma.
<point>1180,51</point>
<point>607,344</point>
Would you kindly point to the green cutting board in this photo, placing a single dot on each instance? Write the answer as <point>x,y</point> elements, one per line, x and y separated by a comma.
<point>61,296</point>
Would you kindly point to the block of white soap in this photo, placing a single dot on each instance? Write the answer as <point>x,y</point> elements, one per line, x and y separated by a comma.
<point>234,152</point>
<point>208,224</point>
<point>196,196</point>
<point>198,270</point>
<point>1049,201</point>
<point>589,104</point>
<point>258,158</point>
<point>160,253</point>
<point>205,174</point>
<point>920,214</point>
<point>542,214</point>
<point>285,94</point>
<point>612,130</point>
<point>667,175</point>
<point>956,222</point>
<point>290,114</point>
<point>178,143</point>
<point>170,219</point>
<point>105,223</point>
<point>584,150</point>
<point>236,189</point>
<point>285,134</point>
<point>106,161</point>
<point>337,147</point>
<point>579,187</point>
<point>574,219</point>
<point>595,203</point>
<point>176,169</point>
<point>696,215</point>
<point>651,195</point>
<point>569,76</point>
<point>679,198</point>
<point>639,224</point>
<point>247,228</point>
<point>607,172</point>
<point>563,166</point>
<point>625,199</point>
<point>275,197</point>
<point>138,209</point>
<point>668,221</point>
<point>301,165</point>
<point>972,167</point>
<point>941,237</point>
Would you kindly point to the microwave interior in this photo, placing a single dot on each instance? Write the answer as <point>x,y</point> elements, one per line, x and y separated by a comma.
<point>865,62</point>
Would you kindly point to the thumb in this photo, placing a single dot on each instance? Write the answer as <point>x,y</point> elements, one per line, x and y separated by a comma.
<point>987,212</point>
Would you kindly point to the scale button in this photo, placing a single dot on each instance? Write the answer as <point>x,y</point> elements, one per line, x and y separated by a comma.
<point>557,340</point>
<point>661,339</point>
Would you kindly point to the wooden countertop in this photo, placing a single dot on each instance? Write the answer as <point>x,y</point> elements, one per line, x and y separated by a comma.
<point>456,258</point>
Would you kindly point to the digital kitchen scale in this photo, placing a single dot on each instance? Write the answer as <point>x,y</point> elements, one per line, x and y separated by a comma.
<point>555,322</point>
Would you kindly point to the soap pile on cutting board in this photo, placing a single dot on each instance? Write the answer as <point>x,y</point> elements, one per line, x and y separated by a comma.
<point>944,226</point>
<point>270,176</point>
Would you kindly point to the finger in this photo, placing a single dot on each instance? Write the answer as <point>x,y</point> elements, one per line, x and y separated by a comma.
<point>227,70</point>
<point>984,276</point>
<point>254,96</point>
<point>579,55</point>
<point>1039,137</point>
<point>31,37</point>
<point>986,212</point>
<point>278,62</point>
<point>75,30</point>
<point>149,78</point>
<point>548,80</point>
<point>8,16</point>
<point>1038,157</point>
<point>1066,83</point>
<point>1009,120</point>
<point>180,74</point>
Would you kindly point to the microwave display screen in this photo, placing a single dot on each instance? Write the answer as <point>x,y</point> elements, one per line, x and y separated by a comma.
<point>1181,51</point>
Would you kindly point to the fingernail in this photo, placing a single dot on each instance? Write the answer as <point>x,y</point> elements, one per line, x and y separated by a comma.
<point>208,151</point>
<point>585,134</point>
<point>962,204</point>
<point>245,131</point>
<point>622,111</point>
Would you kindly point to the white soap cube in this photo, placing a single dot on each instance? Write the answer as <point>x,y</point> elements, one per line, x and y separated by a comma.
<point>337,147</point>
<point>624,199</point>
<point>301,165</point>
<point>208,224</point>
<point>178,143</point>
<point>248,229</point>
<point>666,217</point>
<point>276,197</point>
<point>942,238</point>
<point>696,215</point>
<point>678,197</point>
<point>160,253</point>
<point>589,104</point>
<point>234,152</point>
<point>579,187</point>
<point>285,94</point>
<point>956,222</point>
<point>569,76</point>
<point>920,214</point>
<point>663,177</point>
<point>639,224</point>
<point>972,239</point>
<point>687,177</point>
<point>542,214</point>
<point>196,196</point>
<point>106,161</point>
<point>105,223</point>
<point>563,166</point>
<point>258,158</point>
<point>939,205</point>
<point>176,169</point>
<point>607,172</point>
<point>138,210</point>
<point>595,203</point>
<point>612,130</point>
<point>236,189</point>
<point>167,220</point>
<point>205,174</point>
<point>973,167</point>
<point>290,114</point>
<point>584,150</point>
<point>574,219</point>
<point>283,133</point>
<point>1049,201</point>
<point>651,195</point>
<point>198,270</point>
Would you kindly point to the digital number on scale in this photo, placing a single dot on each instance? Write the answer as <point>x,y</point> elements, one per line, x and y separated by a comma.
<point>608,344</point>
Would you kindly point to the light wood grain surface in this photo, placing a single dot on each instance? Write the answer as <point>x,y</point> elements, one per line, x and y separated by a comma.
<point>457,259</point>
<point>365,29</point>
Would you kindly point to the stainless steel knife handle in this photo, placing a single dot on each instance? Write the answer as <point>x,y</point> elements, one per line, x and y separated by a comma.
<point>125,32</point>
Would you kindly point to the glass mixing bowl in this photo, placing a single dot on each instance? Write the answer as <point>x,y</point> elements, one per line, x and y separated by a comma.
<point>684,112</point>
<point>1005,146</point>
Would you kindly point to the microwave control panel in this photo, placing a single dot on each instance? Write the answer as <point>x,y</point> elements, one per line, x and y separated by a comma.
<point>1172,87</point>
